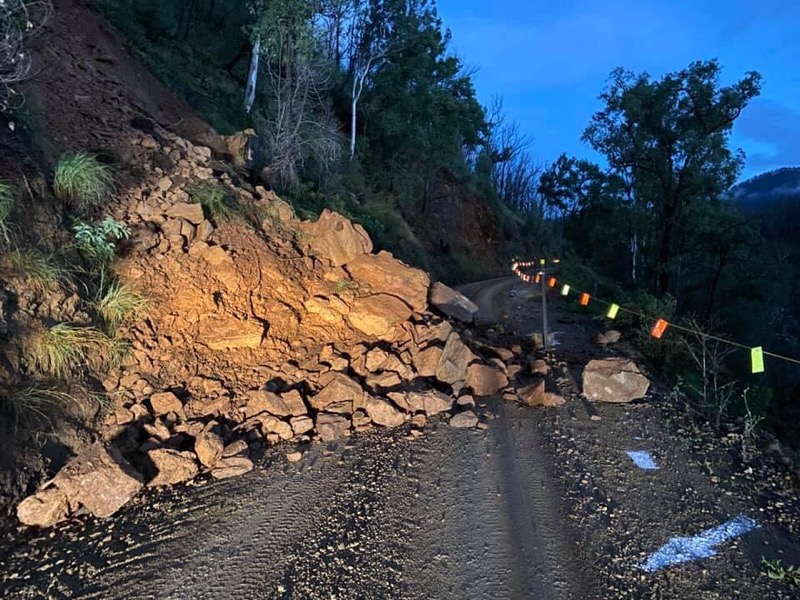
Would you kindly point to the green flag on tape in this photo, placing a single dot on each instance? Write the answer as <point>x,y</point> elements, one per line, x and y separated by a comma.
<point>757,359</point>
<point>612,311</point>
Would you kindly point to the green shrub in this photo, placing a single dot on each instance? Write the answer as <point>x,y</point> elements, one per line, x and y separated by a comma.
<point>98,242</point>
<point>119,304</point>
<point>81,181</point>
<point>59,350</point>
<point>6,206</point>
<point>775,569</point>
<point>215,200</point>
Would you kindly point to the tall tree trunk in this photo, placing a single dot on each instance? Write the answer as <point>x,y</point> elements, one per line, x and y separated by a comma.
<point>712,289</point>
<point>252,76</point>
<point>665,249</point>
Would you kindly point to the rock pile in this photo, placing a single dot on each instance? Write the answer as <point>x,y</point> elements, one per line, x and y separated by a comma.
<point>260,329</point>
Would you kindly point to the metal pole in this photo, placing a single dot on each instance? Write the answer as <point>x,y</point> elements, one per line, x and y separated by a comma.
<point>545,339</point>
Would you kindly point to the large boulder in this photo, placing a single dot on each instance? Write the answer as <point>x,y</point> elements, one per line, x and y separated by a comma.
<point>289,404</point>
<point>383,413</point>
<point>384,274</point>
<point>430,402</point>
<point>377,315</point>
<point>614,380</point>
<point>331,427</point>
<point>44,508</point>
<point>340,394</point>
<point>454,361</point>
<point>100,480</point>
<point>209,447</point>
<point>337,239</point>
<point>452,303</point>
<point>485,380</point>
<point>172,466</point>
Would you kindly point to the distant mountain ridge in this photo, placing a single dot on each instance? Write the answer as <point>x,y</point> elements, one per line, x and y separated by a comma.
<point>761,190</point>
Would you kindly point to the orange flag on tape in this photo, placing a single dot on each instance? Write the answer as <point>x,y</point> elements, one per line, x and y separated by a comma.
<point>659,328</point>
<point>551,282</point>
<point>538,278</point>
<point>585,299</point>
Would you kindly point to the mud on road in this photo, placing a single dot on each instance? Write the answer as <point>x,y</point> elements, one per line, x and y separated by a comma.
<point>541,503</point>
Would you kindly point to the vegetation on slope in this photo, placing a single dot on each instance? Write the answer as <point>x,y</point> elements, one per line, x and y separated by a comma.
<point>360,107</point>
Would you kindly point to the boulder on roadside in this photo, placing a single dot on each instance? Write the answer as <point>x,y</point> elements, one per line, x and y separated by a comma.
<point>340,394</point>
<point>430,402</point>
<point>382,412</point>
<point>172,466</point>
<point>332,427</point>
<point>232,466</point>
<point>100,479</point>
<point>539,367</point>
<point>533,394</point>
<point>44,508</point>
<point>209,447</point>
<point>452,303</point>
<point>464,420</point>
<point>485,380</point>
<point>614,380</point>
<point>285,405</point>
<point>455,358</point>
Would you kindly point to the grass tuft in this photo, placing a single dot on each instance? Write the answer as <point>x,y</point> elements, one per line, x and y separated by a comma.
<point>119,304</point>
<point>59,350</point>
<point>39,269</point>
<point>214,198</point>
<point>81,181</point>
<point>6,206</point>
<point>32,401</point>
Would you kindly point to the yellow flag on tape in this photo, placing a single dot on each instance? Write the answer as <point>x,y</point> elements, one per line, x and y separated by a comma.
<point>612,311</point>
<point>757,359</point>
<point>565,290</point>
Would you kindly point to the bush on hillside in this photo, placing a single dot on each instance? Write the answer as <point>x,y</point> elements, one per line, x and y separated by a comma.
<point>81,181</point>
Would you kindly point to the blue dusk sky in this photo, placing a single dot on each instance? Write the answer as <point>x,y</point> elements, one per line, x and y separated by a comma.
<point>549,61</point>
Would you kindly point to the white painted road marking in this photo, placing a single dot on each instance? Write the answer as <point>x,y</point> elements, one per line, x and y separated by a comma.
<point>684,549</point>
<point>643,459</point>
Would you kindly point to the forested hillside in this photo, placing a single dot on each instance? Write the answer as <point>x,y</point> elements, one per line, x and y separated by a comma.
<point>357,106</point>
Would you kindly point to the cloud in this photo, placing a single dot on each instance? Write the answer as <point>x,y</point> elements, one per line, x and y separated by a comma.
<point>769,132</point>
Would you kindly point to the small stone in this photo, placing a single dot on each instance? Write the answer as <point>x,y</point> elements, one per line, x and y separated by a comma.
<point>294,457</point>
<point>165,402</point>
<point>464,420</point>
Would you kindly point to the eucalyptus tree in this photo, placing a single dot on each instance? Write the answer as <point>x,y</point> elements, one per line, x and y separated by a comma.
<point>671,137</point>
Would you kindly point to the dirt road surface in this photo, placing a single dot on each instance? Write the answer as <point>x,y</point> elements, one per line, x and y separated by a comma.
<point>542,503</point>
